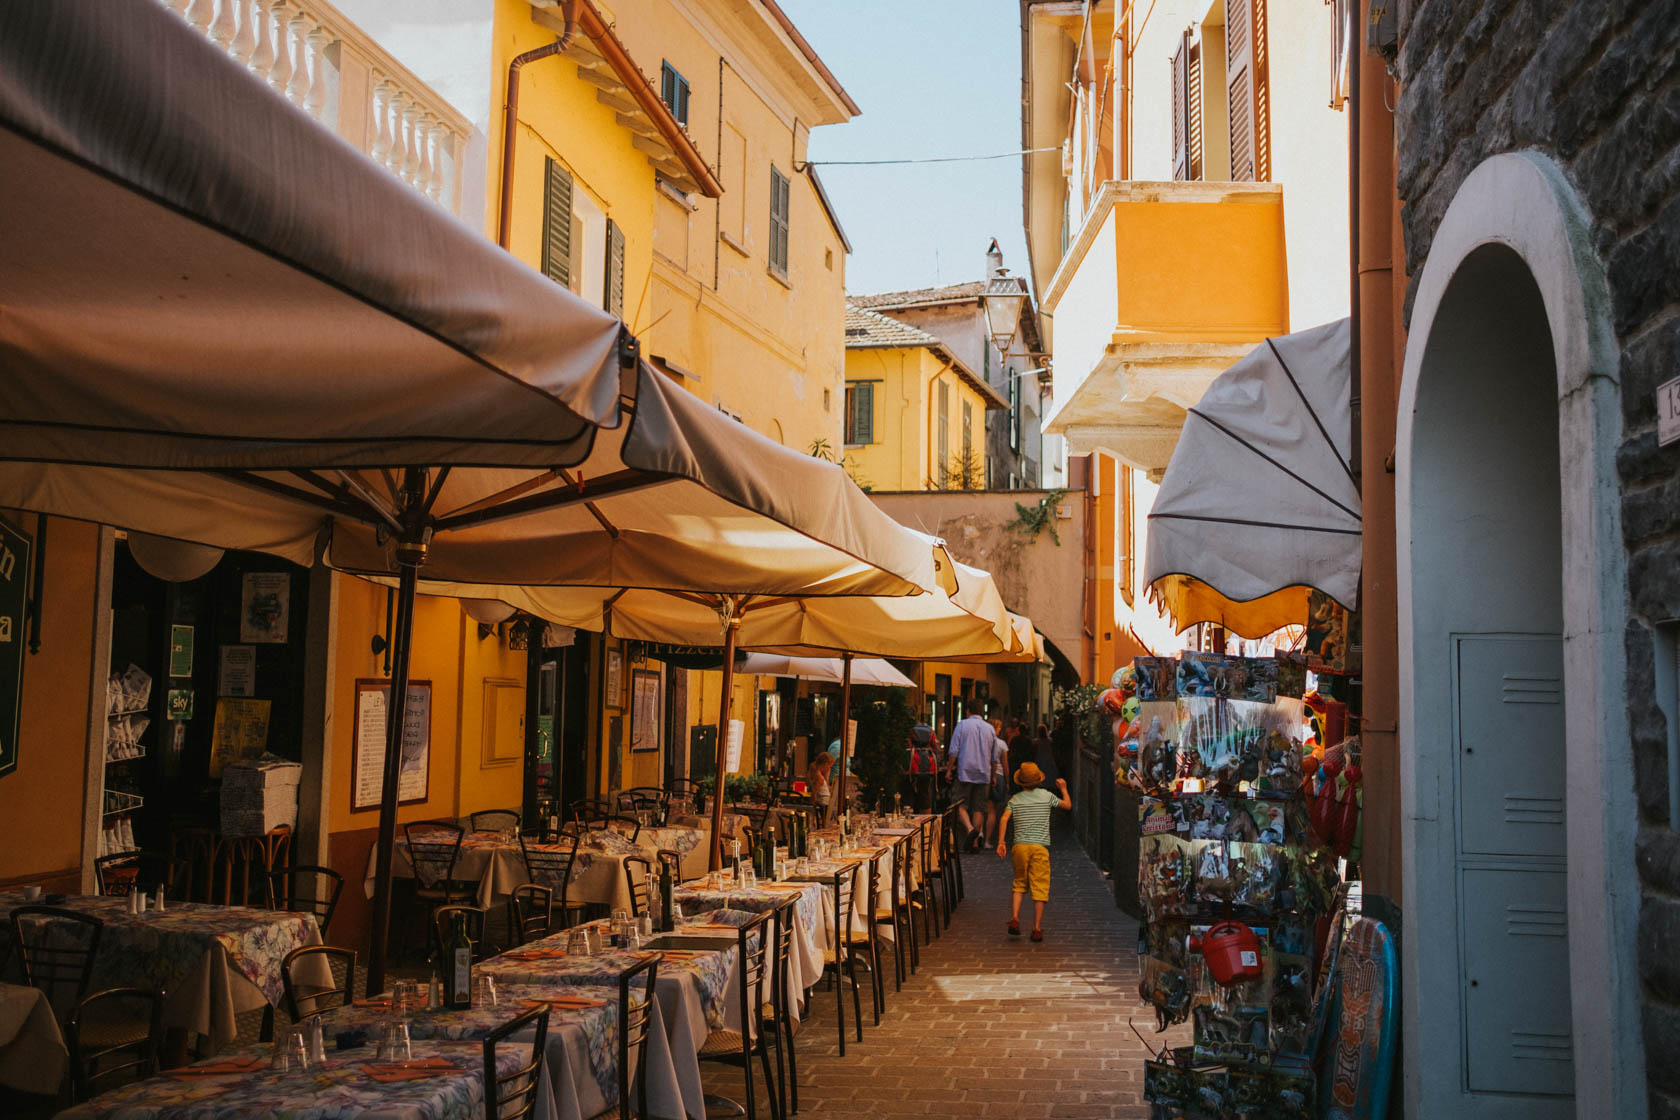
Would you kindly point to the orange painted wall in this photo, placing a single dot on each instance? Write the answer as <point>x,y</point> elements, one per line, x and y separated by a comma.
<point>41,801</point>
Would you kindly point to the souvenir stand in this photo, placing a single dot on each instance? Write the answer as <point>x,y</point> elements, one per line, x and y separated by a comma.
<point>1246,824</point>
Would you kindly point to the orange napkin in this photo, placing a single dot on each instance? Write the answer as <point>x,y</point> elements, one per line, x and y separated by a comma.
<point>410,1071</point>
<point>573,1002</point>
<point>220,1069</point>
<point>534,954</point>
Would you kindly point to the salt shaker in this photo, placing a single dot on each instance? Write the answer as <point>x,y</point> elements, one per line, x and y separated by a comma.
<point>317,1041</point>
<point>157,902</point>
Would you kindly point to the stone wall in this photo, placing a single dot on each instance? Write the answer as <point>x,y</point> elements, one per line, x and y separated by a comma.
<point>1595,84</point>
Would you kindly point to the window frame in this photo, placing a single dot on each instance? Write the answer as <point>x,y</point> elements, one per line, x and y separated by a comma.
<point>674,91</point>
<point>781,207</point>
<point>856,393</point>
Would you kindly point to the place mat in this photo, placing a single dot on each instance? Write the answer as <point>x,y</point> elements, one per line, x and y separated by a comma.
<point>389,1072</point>
<point>219,1069</point>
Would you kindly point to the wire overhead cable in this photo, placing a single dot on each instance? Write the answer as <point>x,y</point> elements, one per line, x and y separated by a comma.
<point>927,159</point>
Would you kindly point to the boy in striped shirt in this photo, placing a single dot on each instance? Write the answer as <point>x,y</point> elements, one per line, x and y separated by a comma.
<point>1030,810</point>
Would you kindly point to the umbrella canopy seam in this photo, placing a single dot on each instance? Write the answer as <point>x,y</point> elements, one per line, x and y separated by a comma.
<point>1268,459</point>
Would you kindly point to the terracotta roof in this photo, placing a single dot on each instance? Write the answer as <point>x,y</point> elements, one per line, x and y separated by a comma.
<point>918,297</point>
<point>871,330</point>
<point>810,54</point>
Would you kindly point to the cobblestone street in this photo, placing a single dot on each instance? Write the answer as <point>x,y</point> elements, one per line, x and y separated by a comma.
<point>993,1025</point>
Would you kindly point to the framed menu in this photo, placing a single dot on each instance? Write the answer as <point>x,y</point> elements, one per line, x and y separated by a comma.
<point>644,710</point>
<point>367,778</point>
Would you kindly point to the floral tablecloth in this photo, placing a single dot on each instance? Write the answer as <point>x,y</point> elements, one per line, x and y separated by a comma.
<point>813,917</point>
<point>341,1088</point>
<point>692,989</point>
<point>212,961</point>
<point>582,1051</point>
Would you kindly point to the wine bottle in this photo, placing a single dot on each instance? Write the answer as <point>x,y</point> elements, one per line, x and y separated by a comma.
<point>457,966</point>
<point>667,897</point>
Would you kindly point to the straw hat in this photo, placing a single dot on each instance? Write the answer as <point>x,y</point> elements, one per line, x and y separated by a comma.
<point>1028,775</point>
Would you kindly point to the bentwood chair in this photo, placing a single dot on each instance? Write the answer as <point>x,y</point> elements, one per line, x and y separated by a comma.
<point>57,948</point>
<point>305,999</point>
<point>755,945</point>
<point>513,1095</point>
<point>493,820</point>
<point>784,996</point>
<point>647,799</point>
<point>113,1032</point>
<point>635,1016</point>
<point>434,849</point>
<point>530,913</point>
<point>590,811</point>
<point>932,919</point>
<point>842,957</point>
<point>951,866</point>
<point>638,882</point>
<point>307,888</point>
<point>550,863</point>
<point>894,910</point>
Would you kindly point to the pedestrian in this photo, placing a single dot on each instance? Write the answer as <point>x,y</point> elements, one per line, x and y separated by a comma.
<point>816,781</point>
<point>1044,754</point>
<point>971,770</point>
<point>920,769</point>
<point>1030,810</point>
<point>997,793</point>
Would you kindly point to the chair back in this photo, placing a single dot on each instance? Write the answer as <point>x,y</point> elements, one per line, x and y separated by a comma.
<point>782,994</point>
<point>757,815</point>
<point>95,1036</point>
<point>845,888</point>
<point>122,873</point>
<point>513,1095</point>
<point>590,811</point>
<point>645,799</point>
<point>530,913</point>
<point>638,881</point>
<point>434,847</point>
<point>443,919</point>
<point>635,1017</point>
<point>306,888</point>
<point>493,820</point>
<point>304,995</point>
<point>549,863</point>
<point>57,948</point>
<point>674,859</point>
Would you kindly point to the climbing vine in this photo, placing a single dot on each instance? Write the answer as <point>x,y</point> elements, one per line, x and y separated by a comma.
<point>1033,520</point>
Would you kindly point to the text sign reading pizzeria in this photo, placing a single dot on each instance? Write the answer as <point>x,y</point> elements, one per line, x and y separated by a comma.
<point>15,550</point>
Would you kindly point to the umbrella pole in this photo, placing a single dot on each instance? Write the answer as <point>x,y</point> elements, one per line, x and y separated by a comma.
<point>845,728</point>
<point>395,716</point>
<point>732,623</point>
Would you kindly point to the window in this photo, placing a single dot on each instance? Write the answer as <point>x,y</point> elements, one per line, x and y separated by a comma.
<point>557,225</point>
<point>1187,109</point>
<point>612,295</point>
<point>778,223</point>
<point>942,438</point>
<point>860,413</point>
<point>1014,411</point>
<point>673,90</point>
<point>1247,90</point>
<point>968,472</point>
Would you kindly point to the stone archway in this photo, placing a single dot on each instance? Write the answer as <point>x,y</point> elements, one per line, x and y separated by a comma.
<point>1518,860</point>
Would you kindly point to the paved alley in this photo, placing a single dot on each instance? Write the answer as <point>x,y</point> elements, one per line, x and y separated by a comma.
<point>993,1025</point>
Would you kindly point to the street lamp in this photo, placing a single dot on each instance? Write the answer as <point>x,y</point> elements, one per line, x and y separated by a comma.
<point>1003,299</point>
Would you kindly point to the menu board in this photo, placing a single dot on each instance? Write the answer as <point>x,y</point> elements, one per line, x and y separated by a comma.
<point>240,732</point>
<point>367,780</point>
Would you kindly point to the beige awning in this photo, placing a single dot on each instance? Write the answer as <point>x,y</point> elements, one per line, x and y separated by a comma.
<point>865,670</point>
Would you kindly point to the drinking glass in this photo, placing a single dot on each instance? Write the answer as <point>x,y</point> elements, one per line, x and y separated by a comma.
<point>298,1048</point>
<point>394,1044</point>
<point>646,926</point>
<point>484,990</point>
<point>577,943</point>
<point>281,1059</point>
<point>749,878</point>
<point>402,992</point>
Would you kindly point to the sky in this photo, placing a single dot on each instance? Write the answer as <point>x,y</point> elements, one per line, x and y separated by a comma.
<point>933,78</point>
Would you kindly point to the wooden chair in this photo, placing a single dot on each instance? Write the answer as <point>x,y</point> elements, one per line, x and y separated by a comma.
<point>513,1095</point>
<point>306,888</point>
<point>493,820</point>
<point>58,962</point>
<point>842,957</point>
<point>115,1023</point>
<point>634,1019</point>
<point>301,1000</point>
<point>123,873</point>
<point>755,944</point>
<point>434,848</point>
<point>784,998</point>
<point>550,865</point>
<point>638,881</point>
<point>443,920</point>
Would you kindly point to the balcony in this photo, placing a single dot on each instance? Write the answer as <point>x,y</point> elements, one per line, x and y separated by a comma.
<point>1164,287</point>
<point>328,67</point>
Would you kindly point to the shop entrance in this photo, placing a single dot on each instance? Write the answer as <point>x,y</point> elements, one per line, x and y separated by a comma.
<point>1488,691</point>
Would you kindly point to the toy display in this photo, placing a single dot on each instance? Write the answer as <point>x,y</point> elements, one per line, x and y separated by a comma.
<point>1250,809</point>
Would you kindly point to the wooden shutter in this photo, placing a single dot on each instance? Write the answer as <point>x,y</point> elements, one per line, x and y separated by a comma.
<point>613,293</point>
<point>1247,96</point>
<point>557,225</point>
<point>1181,109</point>
<point>1194,139</point>
<point>863,414</point>
<point>778,222</point>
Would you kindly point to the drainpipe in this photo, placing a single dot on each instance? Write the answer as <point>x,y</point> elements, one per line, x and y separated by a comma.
<point>510,133</point>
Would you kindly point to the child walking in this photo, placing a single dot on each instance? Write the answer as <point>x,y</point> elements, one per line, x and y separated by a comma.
<point>1030,810</point>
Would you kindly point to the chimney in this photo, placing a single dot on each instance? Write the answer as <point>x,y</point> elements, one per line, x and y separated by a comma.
<point>994,260</point>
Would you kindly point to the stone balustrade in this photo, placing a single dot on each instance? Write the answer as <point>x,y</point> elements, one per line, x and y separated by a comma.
<point>324,64</point>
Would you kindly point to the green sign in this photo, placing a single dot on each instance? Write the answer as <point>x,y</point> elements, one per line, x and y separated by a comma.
<point>15,550</point>
<point>180,651</point>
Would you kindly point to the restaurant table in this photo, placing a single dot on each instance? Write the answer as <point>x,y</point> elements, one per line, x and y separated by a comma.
<point>813,917</point>
<point>212,962</point>
<point>581,1055</point>
<point>498,866</point>
<point>690,991</point>
<point>341,1088</point>
<point>32,1050</point>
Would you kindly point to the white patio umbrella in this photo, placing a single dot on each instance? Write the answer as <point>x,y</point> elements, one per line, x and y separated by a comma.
<point>1259,503</point>
<point>221,324</point>
<point>864,670</point>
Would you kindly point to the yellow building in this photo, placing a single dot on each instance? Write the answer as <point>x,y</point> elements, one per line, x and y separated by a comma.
<point>1194,204</point>
<point>915,414</point>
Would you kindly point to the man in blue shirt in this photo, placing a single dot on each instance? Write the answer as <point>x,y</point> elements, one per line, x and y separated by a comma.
<point>971,761</point>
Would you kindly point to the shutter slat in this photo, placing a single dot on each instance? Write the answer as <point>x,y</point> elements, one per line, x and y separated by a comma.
<point>1193,120</point>
<point>1181,109</point>
<point>557,225</point>
<point>614,289</point>
<point>1262,79</point>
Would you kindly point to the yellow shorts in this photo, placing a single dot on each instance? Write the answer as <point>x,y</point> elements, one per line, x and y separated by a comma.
<point>1032,870</point>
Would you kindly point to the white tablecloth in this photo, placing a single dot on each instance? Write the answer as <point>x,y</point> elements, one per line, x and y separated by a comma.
<point>33,1056</point>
